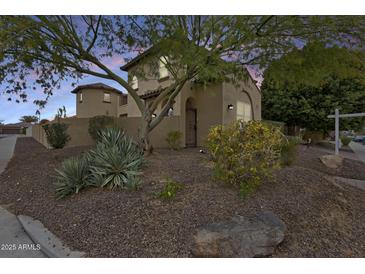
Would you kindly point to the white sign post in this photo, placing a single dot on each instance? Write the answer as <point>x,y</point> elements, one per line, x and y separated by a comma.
<point>337,117</point>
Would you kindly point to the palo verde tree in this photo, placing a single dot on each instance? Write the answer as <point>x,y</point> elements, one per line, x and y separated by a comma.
<point>41,51</point>
<point>301,90</point>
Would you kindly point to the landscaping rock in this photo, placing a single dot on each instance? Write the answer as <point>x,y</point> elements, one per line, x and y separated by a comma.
<point>242,237</point>
<point>332,161</point>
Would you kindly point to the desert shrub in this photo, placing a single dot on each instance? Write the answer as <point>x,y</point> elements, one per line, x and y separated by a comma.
<point>289,150</point>
<point>173,139</point>
<point>170,189</point>
<point>345,140</point>
<point>116,161</point>
<point>315,136</point>
<point>98,123</point>
<point>244,154</point>
<point>56,134</point>
<point>73,176</point>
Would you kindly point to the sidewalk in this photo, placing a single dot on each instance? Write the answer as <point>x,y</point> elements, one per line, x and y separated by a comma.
<point>14,242</point>
<point>7,145</point>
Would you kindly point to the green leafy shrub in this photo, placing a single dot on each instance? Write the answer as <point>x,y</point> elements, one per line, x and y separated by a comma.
<point>289,150</point>
<point>315,136</point>
<point>116,161</point>
<point>170,189</point>
<point>73,176</point>
<point>173,139</point>
<point>345,140</point>
<point>56,134</point>
<point>98,123</point>
<point>244,154</point>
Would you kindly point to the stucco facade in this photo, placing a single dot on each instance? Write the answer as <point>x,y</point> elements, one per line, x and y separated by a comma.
<point>99,99</point>
<point>196,108</point>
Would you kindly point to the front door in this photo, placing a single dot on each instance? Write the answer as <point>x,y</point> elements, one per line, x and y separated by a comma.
<point>190,127</point>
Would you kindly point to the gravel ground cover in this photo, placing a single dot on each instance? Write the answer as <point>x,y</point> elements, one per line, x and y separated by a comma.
<point>323,220</point>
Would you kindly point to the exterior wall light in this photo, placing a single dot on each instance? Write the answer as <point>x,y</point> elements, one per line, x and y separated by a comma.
<point>230,107</point>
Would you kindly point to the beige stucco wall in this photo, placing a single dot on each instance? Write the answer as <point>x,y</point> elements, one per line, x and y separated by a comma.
<point>78,130</point>
<point>93,105</point>
<point>208,102</point>
<point>245,91</point>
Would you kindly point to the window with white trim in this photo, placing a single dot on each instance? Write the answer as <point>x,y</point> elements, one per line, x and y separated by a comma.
<point>162,70</point>
<point>134,82</point>
<point>244,111</point>
<point>106,97</point>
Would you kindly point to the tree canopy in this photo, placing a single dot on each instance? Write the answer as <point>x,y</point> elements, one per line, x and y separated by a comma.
<point>302,91</point>
<point>42,51</point>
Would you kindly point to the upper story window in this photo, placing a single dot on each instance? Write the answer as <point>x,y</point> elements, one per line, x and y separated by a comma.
<point>122,100</point>
<point>80,98</point>
<point>106,97</point>
<point>134,83</point>
<point>162,70</point>
<point>244,111</point>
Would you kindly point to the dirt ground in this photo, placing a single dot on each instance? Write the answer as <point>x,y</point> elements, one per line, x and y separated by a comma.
<point>323,220</point>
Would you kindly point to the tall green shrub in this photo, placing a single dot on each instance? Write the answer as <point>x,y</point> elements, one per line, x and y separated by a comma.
<point>99,123</point>
<point>244,154</point>
<point>57,135</point>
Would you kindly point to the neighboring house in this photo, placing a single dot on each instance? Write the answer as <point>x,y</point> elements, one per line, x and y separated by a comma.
<point>99,99</point>
<point>197,108</point>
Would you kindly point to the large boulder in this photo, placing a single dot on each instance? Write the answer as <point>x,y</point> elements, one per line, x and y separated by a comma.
<point>332,161</point>
<point>255,236</point>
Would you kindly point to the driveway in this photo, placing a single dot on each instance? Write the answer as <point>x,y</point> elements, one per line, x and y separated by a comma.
<point>359,150</point>
<point>7,144</point>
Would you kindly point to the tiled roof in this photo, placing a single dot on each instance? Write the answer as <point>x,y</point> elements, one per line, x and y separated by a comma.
<point>96,86</point>
<point>151,93</point>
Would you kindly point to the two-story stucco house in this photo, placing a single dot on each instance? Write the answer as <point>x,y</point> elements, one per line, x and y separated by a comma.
<point>195,110</point>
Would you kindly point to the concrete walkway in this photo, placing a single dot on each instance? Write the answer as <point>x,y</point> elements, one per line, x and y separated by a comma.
<point>14,242</point>
<point>7,145</point>
<point>359,150</point>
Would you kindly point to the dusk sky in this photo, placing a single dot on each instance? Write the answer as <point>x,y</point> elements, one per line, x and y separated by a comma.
<point>10,111</point>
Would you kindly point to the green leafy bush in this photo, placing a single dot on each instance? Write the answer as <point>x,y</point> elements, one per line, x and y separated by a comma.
<point>170,189</point>
<point>98,123</point>
<point>289,150</point>
<point>73,176</point>
<point>116,161</point>
<point>56,134</point>
<point>315,136</point>
<point>244,154</point>
<point>173,139</point>
<point>345,140</point>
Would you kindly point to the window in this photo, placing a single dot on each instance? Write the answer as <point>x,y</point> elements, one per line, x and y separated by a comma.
<point>134,83</point>
<point>106,97</point>
<point>243,111</point>
<point>122,100</point>
<point>80,97</point>
<point>162,70</point>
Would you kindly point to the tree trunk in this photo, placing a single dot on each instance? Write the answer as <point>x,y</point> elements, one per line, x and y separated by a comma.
<point>144,132</point>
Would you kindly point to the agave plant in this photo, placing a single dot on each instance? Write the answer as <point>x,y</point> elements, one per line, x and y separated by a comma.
<point>73,176</point>
<point>116,161</point>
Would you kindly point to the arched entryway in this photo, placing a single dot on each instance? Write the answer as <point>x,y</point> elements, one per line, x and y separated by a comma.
<point>190,123</point>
